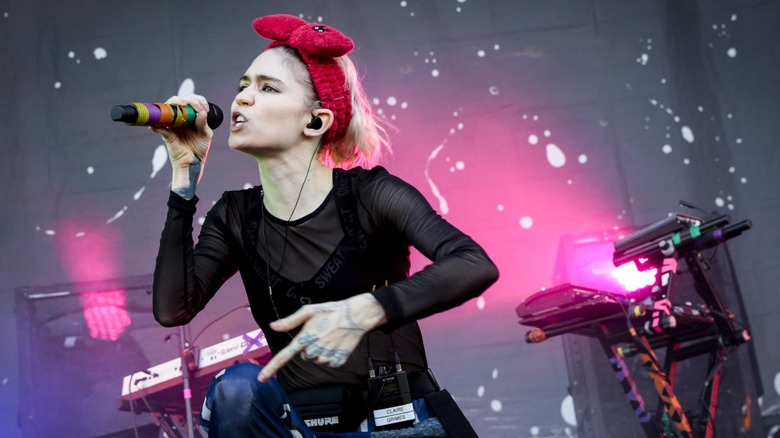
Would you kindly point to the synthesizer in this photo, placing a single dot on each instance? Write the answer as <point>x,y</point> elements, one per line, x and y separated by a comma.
<point>159,387</point>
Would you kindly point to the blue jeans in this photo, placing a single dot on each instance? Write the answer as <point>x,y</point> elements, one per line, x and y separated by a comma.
<point>238,405</point>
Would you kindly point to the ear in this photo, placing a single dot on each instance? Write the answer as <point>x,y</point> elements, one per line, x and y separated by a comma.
<point>319,129</point>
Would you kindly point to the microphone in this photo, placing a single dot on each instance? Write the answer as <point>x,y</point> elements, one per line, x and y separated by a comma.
<point>163,115</point>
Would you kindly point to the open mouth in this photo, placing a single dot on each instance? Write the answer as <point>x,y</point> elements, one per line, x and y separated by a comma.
<point>238,120</point>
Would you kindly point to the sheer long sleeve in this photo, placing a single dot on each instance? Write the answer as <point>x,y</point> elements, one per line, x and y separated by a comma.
<point>461,270</point>
<point>186,277</point>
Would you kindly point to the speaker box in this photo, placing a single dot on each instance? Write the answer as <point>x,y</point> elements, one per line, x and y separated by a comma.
<point>76,343</point>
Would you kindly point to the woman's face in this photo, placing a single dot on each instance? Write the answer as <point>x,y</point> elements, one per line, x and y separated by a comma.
<point>272,107</point>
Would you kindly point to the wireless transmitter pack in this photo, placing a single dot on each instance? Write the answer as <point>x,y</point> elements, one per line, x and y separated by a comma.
<point>389,398</point>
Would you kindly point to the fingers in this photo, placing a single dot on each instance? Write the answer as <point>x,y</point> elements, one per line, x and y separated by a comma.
<point>296,345</point>
<point>196,101</point>
<point>334,357</point>
<point>309,347</point>
<point>295,320</point>
<point>281,358</point>
<point>186,145</point>
<point>323,338</point>
<point>199,103</point>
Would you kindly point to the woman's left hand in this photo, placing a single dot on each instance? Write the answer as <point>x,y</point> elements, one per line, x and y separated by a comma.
<point>331,331</point>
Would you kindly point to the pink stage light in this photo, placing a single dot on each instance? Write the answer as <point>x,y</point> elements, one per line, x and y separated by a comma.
<point>95,257</point>
<point>105,313</point>
<point>586,260</point>
<point>632,279</point>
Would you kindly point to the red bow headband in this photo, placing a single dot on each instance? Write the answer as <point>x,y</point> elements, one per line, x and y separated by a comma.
<point>318,45</point>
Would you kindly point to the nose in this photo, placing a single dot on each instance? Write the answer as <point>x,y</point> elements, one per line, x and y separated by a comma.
<point>244,97</point>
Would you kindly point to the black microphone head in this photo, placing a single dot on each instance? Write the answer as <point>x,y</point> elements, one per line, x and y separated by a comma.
<point>214,118</point>
<point>124,113</point>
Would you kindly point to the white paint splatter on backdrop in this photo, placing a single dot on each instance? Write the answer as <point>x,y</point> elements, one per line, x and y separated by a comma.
<point>643,58</point>
<point>555,155</point>
<point>159,157</point>
<point>187,87</point>
<point>117,215</point>
<point>459,166</point>
<point>687,133</point>
<point>392,103</point>
<point>568,413</point>
<point>443,205</point>
<point>777,383</point>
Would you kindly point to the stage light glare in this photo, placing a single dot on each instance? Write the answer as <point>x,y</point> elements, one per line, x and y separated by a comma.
<point>105,313</point>
<point>632,279</point>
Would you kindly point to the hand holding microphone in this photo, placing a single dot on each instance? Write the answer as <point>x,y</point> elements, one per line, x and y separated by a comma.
<point>187,148</point>
<point>163,115</point>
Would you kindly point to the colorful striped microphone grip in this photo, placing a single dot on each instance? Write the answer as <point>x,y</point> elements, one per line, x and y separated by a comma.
<point>163,115</point>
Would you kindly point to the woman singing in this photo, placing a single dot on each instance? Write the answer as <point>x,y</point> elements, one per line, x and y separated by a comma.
<point>322,247</point>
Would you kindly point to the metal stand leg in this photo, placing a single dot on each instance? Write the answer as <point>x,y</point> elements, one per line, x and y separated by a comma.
<point>629,388</point>
<point>186,358</point>
<point>664,388</point>
<point>663,385</point>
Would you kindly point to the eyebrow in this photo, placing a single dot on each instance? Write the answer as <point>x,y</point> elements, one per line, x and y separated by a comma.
<point>260,78</point>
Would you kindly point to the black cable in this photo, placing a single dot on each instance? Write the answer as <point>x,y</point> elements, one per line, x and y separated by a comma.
<point>704,405</point>
<point>224,315</point>
<point>635,336</point>
<point>142,393</point>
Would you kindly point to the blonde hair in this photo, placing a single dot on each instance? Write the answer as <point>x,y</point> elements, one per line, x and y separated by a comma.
<point>366,141</point>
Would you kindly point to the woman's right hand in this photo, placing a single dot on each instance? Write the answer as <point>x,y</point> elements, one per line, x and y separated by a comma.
<point>187,146</point>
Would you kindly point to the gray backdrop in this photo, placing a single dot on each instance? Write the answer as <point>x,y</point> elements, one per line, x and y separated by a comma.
<point>522,121</point>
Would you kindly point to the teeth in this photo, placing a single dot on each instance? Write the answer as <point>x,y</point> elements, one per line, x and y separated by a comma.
<point>240,119</point>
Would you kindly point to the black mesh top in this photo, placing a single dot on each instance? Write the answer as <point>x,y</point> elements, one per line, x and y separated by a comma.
<point>357,241</point>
